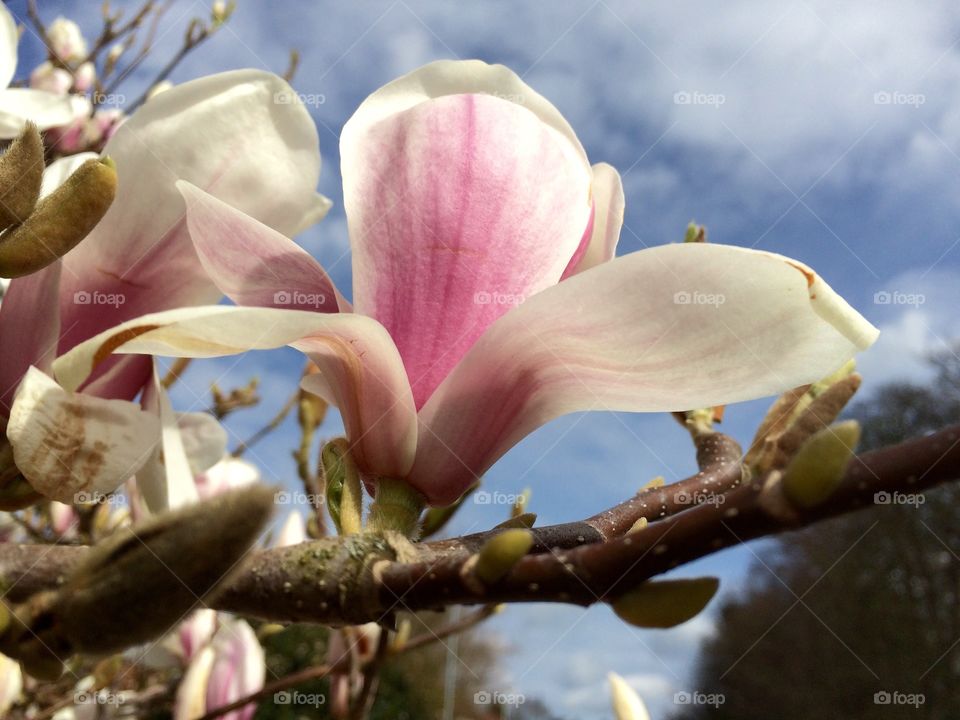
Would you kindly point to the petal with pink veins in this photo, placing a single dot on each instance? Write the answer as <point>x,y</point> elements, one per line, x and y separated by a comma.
<point>674,327</point>
<point>600,243</point>
<point>29,329</point>
<point>460,204</point>
<point>251,263</point>
<point>226,135</point>
<point>355,354</point>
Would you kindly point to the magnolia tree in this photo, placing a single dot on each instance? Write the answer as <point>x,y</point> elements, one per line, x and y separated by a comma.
<point>488,299</point>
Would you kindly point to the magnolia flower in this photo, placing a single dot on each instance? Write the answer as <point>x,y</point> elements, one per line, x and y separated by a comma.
<point>627,705</point>
<point>226,474</point>
<point>17,105</point>
<point>66,41</point>
<point>293,531</point>
<point>223,133</point>
<point>487,299</point>
<point>229,668</point>
<point>11,683</point>
<point>51,79</point>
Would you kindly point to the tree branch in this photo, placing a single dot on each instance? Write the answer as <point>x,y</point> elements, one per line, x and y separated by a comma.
<point>365,578</point>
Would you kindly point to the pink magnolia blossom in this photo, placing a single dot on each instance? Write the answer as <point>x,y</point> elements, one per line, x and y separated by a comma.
<point>224,133</point>
<point>487,298</point>
<point>231,666</point>
<point>44,107</point>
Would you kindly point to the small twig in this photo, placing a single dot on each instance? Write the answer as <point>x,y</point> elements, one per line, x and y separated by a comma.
<point>269,427</point>
<point>454,628</point>
<point>175,371</point>
<point>292,66</point>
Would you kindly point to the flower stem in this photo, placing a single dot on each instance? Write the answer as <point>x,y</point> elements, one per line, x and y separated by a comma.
<point>396,506</point>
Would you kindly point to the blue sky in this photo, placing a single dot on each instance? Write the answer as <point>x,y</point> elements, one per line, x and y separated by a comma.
<point>828,132</point>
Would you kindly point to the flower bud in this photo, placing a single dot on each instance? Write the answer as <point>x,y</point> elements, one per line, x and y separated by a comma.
<point>21,175</point>
<point>665,603</point>
<point>818,467</point>
<point>66,41</point>
<point>85,76</point>
<point>500,553</point>
<point>344,492</point>
<point>627,705</point>
<point>50,78</point>
<point>59,221</point>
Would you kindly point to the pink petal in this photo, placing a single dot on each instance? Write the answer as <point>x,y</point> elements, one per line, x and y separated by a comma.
<point>670,328</point>
<point>600,243</point>
<point>29,329</point>
<point>460,205</point>
<point>251,263</point>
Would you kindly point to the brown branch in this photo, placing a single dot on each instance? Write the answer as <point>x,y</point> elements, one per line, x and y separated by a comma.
<point>361,578</point>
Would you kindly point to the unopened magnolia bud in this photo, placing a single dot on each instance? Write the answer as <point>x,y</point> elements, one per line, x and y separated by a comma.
<point>500,553</point>
<point>520,504</point>
<point>343,488</point>
<point>221,11</point>
<point>526,520</point>
<point>818,467</point>
<point>695,233</point>
<point>627,705</point>
<point>139,582</point>
<point>60,220</point>
<point>21,174</point>
<point>665,603</point>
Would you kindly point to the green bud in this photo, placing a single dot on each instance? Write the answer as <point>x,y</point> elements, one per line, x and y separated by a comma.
<point>665,603</point>
<point>695,233</point>
<point>520,504</point>
<point>59,221</point>
<point>818,467</point>
<point>500,553</point>
<point>343,487</point>
<point>525,520</point>
<point>21,174</point>
<point>136,584</point>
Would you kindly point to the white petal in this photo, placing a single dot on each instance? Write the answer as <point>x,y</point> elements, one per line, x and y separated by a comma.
<point>9,37</point>
<point>58,171</point>
<point>674,327</point>
<point>627,705</point>
<point>67,444</point>
<point>45,109</point>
